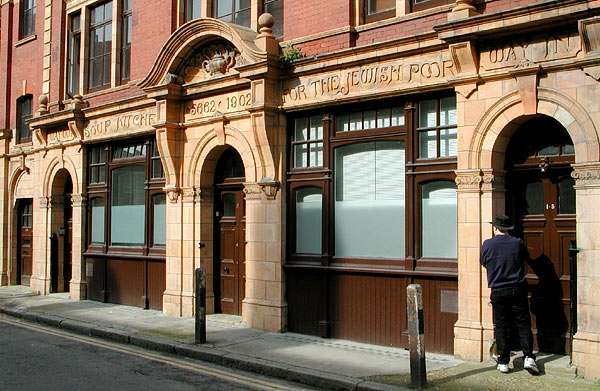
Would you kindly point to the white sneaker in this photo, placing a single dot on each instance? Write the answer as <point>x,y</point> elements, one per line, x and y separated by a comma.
<point>530,365</point>
<point>503,368</point>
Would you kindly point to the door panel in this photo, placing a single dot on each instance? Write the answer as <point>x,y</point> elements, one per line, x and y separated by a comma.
<point>25,242</point>
<point>538,198</point>
<point>231,251</point>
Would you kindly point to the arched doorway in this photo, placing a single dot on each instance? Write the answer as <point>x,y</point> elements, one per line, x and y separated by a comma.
<point>230,233</point>
<point>541,199</point>
<point>61,233</point>
<point>24,241</point>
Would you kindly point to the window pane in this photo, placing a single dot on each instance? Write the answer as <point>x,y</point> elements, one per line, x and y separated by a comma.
<point>427,144</point>
<point>127,206</point>
<point>448,143</point>
<point>376,6</point>
<point>383,118</point>
<point>439,220</point>
<point>568,149</point>
<point>159,237</point>
<point>126,5</point>
<point>316,154</point>
<point>369,200</point>
<point>369,122</point>
<point>94,175</point>
<point>243,18</point>
<point>157,170</point>
<point>300,156</point>
<point>309,215</point>
<point>316,128</point>
<point>356,121</point>
<point>566,196</point>
<point>97,225</point>
<point>275,8</point>
<point>342,123</point>
<point>448,111</point>
<point>101,173</point>
<point>300,129</point>
<point>223,7</point>
<point>228,205</point>
<point>534,198</point>
<point>192,10</point>
<point>550,150</point>
<point>427,114</point>
<point>397,116</point>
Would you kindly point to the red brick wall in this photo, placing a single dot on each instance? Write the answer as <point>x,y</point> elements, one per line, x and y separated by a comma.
<point>500,5</point>
<point>401,30</point>
<point>151,29</point>
<point>306,17</point>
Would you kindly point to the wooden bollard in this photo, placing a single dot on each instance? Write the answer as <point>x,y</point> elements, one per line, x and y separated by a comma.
<point>416,339</point>
<point>200,330</point>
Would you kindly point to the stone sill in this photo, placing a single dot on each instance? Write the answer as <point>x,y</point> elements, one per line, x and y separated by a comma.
<point>28,38</point>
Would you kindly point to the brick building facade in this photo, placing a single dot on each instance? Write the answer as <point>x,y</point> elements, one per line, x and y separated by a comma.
<point>140,142</point>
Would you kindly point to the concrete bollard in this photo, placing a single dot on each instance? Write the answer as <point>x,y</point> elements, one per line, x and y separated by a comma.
<point>416,338</point>
<point>200,331</point>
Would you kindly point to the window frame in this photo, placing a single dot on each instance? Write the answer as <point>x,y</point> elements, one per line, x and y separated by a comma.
<point>234,12</point>
<point>73,62</point>
<point>126,24</point>
<point>437,128</point>
<point>27,14</point>
<point>22,119</point>
<point>427,4</point>
<point>152,187</point>
<point>377,16</point>
<point>417,172</point>
<point>91,28</point>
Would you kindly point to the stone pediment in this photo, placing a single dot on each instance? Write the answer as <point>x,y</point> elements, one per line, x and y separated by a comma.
<point>203,49</point>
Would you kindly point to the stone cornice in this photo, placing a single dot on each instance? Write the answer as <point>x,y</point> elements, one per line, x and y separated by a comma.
<point>535,16</point>
<point>586,175</point>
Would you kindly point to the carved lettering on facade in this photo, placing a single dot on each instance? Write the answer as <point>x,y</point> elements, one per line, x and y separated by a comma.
<point>60,136</point>
<point>535,49</point>
<point>218,105</point>
<point>124,123</point>
<point>390,75</point>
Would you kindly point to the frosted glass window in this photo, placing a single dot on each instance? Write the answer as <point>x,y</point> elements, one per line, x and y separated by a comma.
<point>439,220</point>
<point>427,144</point>
<point>448,143</point>
<point>369,200</point>
<point>427,114</point>
<point>160,220</point>
<point>448,111</point>
<point>127,206</point>
<point>309,220</point>
<point>97,234</point>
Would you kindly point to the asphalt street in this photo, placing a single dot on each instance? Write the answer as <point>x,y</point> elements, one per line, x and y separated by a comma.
<point>34,357</point>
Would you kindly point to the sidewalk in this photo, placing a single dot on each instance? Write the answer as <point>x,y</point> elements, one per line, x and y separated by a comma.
<point>326,363</point>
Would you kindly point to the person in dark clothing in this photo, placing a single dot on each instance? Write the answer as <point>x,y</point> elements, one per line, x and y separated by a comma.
<point>504,258</point>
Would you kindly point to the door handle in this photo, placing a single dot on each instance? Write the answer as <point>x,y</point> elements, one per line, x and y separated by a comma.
<point>226,269</point>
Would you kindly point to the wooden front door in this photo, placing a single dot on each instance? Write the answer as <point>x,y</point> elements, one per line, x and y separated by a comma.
<point>545,217</point>
<point>231,220</point>
<point>24,242</point>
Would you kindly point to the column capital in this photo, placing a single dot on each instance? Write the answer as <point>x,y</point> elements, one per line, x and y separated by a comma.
<point>586,175</point>
<point>78,200</point>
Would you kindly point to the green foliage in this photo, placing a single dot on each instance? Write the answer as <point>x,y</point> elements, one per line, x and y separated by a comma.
<point>290,53</point>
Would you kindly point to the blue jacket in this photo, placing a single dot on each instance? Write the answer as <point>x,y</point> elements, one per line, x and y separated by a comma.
<point>504,258</point>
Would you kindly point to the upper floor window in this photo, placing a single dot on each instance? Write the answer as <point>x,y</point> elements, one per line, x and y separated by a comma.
<point>275,8</point>
<point>233,11</point>
<point>379,9</point>
<point>73,54</point>
<point>27,18</point>
<point>308,142</point>
<point>192,9</point>
<point>126,20</point>
<point>100,46</point>
<point>24,109</point>
<point>418,5</point>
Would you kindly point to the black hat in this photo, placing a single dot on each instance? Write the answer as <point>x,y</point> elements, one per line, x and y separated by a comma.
<point>503,223</point>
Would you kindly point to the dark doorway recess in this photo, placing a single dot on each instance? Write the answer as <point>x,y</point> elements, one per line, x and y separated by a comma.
<point>24,241</point>
<point>230,235</point>
<point>541,199</point>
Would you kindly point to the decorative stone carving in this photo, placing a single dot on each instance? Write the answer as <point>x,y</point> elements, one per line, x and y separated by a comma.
<point>253,191</point>
<point>593,72</point>
<point>191,194</point>
<point>589,30</point>
<point>468,181</point>
<point>172,193</point>
<point>171,78</point>
<point>466,90</point>
<point>269,187</point>
<point>44,202</point>
<point>586,174</point>
<point>78,200</point>
<point>215,60</point>
<point>463,9</point>
<point>43,101</point>
<point>265,25</point>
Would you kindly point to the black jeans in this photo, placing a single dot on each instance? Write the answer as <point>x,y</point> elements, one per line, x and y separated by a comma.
<point>511,310</point>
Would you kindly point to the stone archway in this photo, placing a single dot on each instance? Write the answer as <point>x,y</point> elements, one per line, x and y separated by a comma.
<point>61,231</point>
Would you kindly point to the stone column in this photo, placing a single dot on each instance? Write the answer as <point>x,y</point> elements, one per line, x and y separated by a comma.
<point>40,278</point>
<point>172,303</point>
<point>586,342</point>
<point>205,216</point>
<point>264,306</point>
<point>480,196</point>
<point>189,250</point>
<point>78,287</point>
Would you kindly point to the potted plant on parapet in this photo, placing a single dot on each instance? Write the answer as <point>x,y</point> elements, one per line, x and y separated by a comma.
<point>289,53</point>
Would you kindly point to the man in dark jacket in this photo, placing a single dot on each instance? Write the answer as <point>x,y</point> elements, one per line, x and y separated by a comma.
<point>504,258</point>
